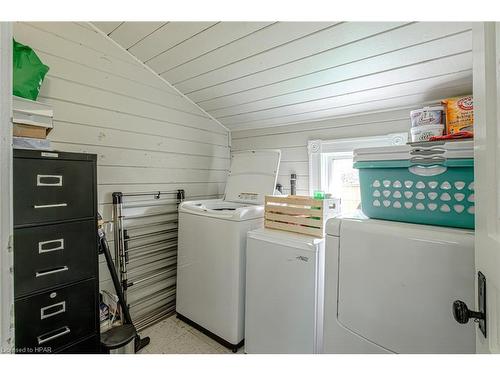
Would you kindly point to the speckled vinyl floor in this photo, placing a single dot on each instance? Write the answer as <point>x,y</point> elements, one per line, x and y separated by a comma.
<point>172,336</point>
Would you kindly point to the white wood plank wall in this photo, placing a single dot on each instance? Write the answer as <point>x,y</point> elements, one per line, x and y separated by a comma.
<point>146,135</point>
<point>364,87</point>
<point>292,139</point>
<point>256,74</point>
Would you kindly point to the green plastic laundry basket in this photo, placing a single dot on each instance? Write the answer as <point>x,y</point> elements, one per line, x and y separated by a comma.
<point>435,193</point>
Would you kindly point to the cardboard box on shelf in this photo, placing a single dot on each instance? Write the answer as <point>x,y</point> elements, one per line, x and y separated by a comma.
<point>30,131</point>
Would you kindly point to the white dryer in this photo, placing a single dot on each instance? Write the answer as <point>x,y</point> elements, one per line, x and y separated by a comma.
<point>211,249</point>
<point>389,287</point>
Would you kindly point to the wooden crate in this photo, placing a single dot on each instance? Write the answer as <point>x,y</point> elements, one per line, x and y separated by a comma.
<point>296,213</point>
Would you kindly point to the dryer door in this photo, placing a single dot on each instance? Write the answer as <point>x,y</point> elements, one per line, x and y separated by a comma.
<point>397,282</point>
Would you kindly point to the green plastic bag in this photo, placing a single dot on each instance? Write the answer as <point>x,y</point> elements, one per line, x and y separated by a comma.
<point>28,72</point>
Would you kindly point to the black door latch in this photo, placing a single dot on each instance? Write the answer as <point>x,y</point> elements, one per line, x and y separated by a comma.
<point>461,312</point>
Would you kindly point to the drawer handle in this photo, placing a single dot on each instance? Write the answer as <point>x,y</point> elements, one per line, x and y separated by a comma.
<point>41,177</point>
<point>61,307</point>
<point>52,335</point>
<point>50,205</point>
<point>50,154</point>
<point>50,272</point>
<point>42,249</point>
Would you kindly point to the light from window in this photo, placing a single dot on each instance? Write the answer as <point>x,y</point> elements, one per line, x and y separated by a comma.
<point>344,184</point>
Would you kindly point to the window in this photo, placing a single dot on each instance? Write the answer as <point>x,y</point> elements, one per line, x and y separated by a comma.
<point>343,181</point>
<point>331,167</point>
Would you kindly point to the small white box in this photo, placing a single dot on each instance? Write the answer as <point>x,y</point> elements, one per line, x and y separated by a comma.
<point>30,143</point>
<point>30,112</point>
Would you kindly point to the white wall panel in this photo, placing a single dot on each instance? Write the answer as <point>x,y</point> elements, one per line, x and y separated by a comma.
<point>309,45</point>
<point>422,98</point>
<point>57,45</point>
<point>265,39</point>
<point>291,72</point>
<point>344,82</point>
<point>123,156</point>
<point>103,117</point>
<point>77,133</point>
<point>63,68</point>
<point>62,89</point>
<point>431,84</point>
<point>146,135</point>
<point>166,37</point>
<point>213,38</point>
<point>131,33</point>
<point>75,32</point>
<point>379,44</point>
<point>400,66</point>
<point>137,175</point>
<point>108,27</point>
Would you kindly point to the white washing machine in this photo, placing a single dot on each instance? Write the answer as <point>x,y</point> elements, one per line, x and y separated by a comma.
<point>284,293</point>
<point>211,249</point>
<point>389,287</point>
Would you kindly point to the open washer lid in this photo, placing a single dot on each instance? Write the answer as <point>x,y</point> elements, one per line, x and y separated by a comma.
<point>224,210</point>
<point>252,176</point>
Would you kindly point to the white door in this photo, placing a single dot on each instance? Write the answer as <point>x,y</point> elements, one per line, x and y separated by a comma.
<point>486,56</point>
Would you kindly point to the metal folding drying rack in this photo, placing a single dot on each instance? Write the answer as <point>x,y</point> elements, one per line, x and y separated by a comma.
<point>146,253</point>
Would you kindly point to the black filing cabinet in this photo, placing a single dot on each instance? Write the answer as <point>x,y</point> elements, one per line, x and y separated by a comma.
<point>55,252</point>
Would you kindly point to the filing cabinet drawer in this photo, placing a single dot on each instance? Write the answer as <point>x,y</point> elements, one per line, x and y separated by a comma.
<point>49,255</point>
<point>90,345</point>
<point>53,190</point>
<point>48,321</point>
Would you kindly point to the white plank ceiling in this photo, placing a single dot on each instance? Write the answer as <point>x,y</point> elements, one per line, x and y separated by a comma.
<point>260,74</point>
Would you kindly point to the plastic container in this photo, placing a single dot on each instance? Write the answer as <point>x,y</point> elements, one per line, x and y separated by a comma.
<point>424,132</point>
<point>424,184</point>
<point>427,116</point>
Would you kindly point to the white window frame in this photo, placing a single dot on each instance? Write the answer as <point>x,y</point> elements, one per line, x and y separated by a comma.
<point>319,150</point>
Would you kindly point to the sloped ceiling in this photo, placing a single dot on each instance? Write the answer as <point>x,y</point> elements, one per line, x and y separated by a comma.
<point>259,74</point>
